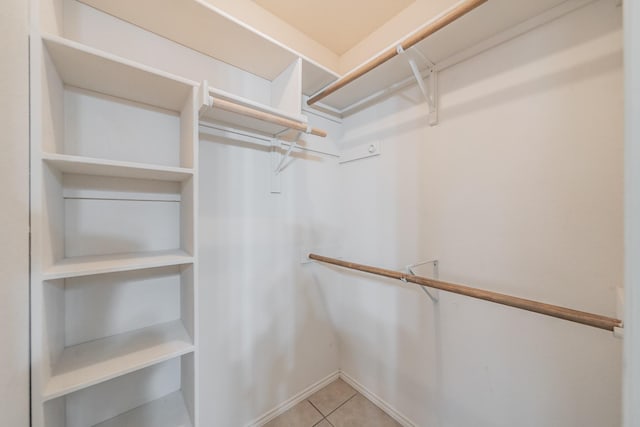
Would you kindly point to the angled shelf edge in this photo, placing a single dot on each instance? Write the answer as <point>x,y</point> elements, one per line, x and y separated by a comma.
<point>113,168</point>
<point>87,364</point>
<point>100,264</point>
<point>79,65</point>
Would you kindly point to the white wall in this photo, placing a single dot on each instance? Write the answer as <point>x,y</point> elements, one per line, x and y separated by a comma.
<point>519,190</point>
<point>14,227</point>
<point>266,333</point>
<point>632,214</point>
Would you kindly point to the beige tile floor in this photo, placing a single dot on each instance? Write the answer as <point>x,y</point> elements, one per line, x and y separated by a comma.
<point>336,405</point>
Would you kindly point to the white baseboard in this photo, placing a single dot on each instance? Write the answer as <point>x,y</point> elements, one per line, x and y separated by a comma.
<point>380,403</point>
<point>304,394</point>
<point>290,403</point>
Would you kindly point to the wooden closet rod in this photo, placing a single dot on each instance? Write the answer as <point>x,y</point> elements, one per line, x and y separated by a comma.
<point>455,13</point>
<point>590,319</point>
<point>232,107</point>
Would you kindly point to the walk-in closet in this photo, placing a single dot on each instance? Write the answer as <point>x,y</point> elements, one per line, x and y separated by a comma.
<point>239,213</point>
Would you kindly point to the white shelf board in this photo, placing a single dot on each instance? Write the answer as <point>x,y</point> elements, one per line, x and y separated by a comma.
<point>101,167</point>
<point>208,30</point>
<point>215,115</point>
<point>218,93</point>
<point>167,411</point>
<point>90,363</point>
<point>238,121</point>
<point>489,20</point>
<point>88,68</point>
<point>100,264</point>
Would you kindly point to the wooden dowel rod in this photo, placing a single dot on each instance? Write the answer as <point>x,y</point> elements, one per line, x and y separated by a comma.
<point>569,314</point>
<point>455,13</point>
<point>232,107</point>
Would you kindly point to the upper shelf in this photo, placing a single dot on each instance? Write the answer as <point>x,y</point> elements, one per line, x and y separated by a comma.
<point>204,28</point>
<point>223,107</point>
<point>87,68</point>
<point>267,58</point>
<point>78,65</point>
<point>468,26</point>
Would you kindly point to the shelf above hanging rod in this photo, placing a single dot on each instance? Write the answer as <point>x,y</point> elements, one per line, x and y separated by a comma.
<point>493,23</point>
<point>266,117</point>
<point>457,12</point>
<point>219,106</point>
<point>585,318</point>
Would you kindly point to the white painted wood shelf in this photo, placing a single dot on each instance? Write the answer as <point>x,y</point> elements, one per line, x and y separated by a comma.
<point>77,65</point>
<point>467,36</point>
<point>113,168</point>
<point>110,140</point>
<point>213,115</point>
<point>494,22</point>
<point>90,363</point>
<point>199,26</point>
<point>167,411</point>
<point>91,69</point>
<point>100,264</point>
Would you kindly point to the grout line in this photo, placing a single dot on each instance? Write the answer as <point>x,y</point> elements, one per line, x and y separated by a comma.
<point>318,423</point>
<point>316,408</point>
<point>320,412</point>
<point>290,403</point>
<point>377,401</point>
<point>341,405</point>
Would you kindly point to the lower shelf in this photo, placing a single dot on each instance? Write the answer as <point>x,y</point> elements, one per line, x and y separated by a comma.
<point>167,411</point>
<point>161,395</point>
<point>90,363</point>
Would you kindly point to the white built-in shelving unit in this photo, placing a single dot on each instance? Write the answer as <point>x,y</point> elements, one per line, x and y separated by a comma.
<point>114,240</point>
<point>114,231</point>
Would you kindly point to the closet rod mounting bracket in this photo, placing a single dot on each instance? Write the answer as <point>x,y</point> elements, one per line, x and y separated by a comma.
<point>278,160</point>
<point>292,145</point>
<point>430,89</point>
<point>433,294</point>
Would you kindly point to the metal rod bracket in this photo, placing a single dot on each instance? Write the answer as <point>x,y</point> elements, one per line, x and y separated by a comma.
<point>430,89</point>
<point>618,332</point>
<point>284,158</point>
<point>434,294</point>
<point>276,178</point>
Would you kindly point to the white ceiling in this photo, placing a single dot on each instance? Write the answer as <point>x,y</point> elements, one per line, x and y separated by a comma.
<point>337,24</point>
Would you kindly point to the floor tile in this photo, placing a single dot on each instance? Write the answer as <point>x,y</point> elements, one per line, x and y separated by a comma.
<point>301,415</point>
<point>332,396</point>
<point>323,423</point>
<point>360,412</point>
